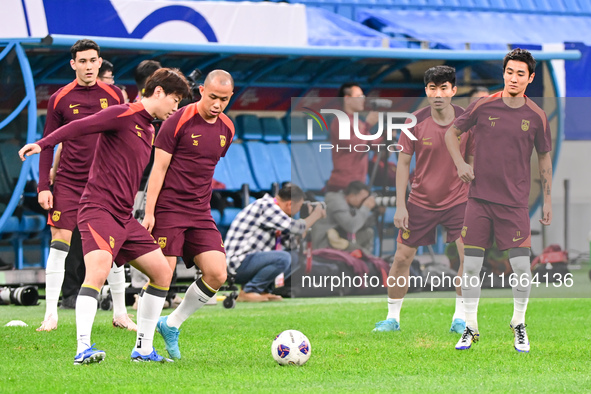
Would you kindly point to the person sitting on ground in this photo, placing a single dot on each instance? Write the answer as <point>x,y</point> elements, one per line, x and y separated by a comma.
<point>347,225</point>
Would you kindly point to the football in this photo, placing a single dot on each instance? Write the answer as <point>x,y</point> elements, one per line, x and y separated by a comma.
<point>291,347</point>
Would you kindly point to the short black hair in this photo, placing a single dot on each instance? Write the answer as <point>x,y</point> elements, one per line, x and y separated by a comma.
<point>345,89</point>
<point>440,75</point>
<point>171,80</point>
<point>355,187</point>
<point>478,89</point>
<point>84,45</point>
<point>521,55</point>
<point>291,192</point>
<point>143,71</point>
<point>106,66</point>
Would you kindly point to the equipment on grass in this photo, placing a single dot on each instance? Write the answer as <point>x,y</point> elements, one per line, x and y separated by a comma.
<point>24,295</point>
<point>291,347</point>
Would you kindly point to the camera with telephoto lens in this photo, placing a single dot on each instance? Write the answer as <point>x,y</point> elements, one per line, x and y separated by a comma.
<point>314,204</point>
<point>376,103</point>
<point>24,295</point>
<point>193,84</point>
<point>384,201</point>
<point>309,206</point>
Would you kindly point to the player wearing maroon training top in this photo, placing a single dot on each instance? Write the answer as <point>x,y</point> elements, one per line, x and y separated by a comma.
<point>506,126</point>
<point>349,165</point>
<point>437,195</point>
<point>188,147</point>
<point>109,231</point>
<point>82,97</point>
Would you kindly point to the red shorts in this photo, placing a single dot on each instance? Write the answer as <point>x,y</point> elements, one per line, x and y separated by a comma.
<point>422,224</point>
<point>66,201</point>
<point>126,240</point>
<point>484,220</point>
<point>186,241</point>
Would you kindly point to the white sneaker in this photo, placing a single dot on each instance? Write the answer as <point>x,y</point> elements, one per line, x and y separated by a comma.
<point>468,337</point>
<point>48,324</point>
<point>521,339</point>
<point>123,321</point>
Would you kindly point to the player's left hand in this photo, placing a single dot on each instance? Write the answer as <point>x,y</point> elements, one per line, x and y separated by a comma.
<point>28,150</point>
<point>465,172</point>
<point>148,222</point>
<point>546,215</point>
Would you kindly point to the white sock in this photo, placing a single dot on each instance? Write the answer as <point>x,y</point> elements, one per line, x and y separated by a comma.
<point>471,288</point>
<point>522,269</point>
<point>86,306</point>
<point>196,296</point>
<point>147,316</point>
<point>54,276</point>
<point>459,312</point>
<point>394,306</point>
<point>116,281</point>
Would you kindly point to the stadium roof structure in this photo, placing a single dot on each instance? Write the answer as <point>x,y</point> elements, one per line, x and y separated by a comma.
<point>42,60</point>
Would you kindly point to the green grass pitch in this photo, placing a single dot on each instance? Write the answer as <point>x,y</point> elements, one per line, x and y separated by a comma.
<point>229,350</point>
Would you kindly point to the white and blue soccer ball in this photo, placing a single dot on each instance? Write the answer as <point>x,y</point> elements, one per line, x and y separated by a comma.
<point>291,347</point>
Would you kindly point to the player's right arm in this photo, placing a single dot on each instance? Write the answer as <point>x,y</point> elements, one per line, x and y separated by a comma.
<point>161,163</point>
<point>56,163</point>
<point>402,175</point>
<point>452,141</point>
<point>106,120</point>
<point>53,121</point>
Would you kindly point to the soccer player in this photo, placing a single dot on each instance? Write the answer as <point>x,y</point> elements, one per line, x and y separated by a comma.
<point>188,147</point>
<point>349,165</point>
<point>506,126</point>
<point>109,231</point>
<point>437,195</point>
<point>83,97</point>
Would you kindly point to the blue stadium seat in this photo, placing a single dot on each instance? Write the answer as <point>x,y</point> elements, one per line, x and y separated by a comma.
<point>307,167</point>
<point>324,160</point>
<point>280,155</point>
<point>273,129</point>
<point>40,124</point>
<point>260,158</point>
<point>296,126</point>
<point>234,170</point>
<point>221,173</point>
<point>249,127</point>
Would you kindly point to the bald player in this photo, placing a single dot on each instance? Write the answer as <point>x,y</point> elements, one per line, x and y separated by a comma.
<point>188,147</point>
<point>506,126</point>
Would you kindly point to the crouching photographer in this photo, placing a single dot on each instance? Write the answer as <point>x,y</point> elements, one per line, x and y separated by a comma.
<point>349,220</point>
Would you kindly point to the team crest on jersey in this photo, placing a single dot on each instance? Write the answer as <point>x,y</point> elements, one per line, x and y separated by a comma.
<point>112,242</point>
<point>524,125</point>
<point>464,229</point>
<point>104,103</point>
<point>56,216</point>
<point>162,242</point>
<point>406,234</point>
<point>222,140</point>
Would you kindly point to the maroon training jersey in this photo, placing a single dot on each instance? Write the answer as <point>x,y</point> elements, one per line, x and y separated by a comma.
<point>348,165</point>
<point>122,152</point>
<point>196,147</point>
<point>436,185</point>
<point>73,102</point>
<point>504,139</point>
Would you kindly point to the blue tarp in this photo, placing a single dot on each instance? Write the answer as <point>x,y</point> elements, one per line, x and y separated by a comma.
<point>460,27</point>
<point>325,28</point>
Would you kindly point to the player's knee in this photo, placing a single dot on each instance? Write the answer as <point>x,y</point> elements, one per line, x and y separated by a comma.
<point>473,259</point>
<point>403,257</point>
<point>520,260</point>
